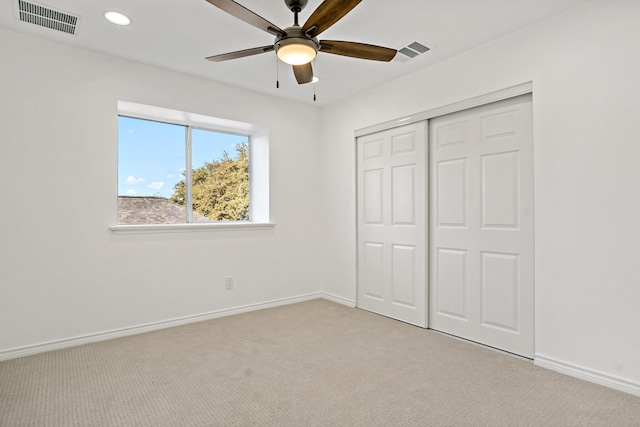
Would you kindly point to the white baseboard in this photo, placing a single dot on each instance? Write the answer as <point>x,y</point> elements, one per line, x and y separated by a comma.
<point>586,374</point>
<point>117,333</point>
<point>339,300</point>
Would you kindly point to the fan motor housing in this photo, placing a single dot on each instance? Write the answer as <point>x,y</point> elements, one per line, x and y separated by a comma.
<point>295,5</point>
<point>295,35</point>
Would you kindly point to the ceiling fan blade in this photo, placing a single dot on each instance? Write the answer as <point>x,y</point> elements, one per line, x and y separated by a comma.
<point>327,14</point>
<point>240,54</point>
<point>304,73</point>
<point>358,50</point>
<point>244,14</point>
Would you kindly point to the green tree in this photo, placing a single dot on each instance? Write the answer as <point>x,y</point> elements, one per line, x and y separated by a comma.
<point>220,188</point>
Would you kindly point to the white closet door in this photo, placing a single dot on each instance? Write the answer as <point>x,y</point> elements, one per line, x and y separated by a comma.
<point>392,223</point>
<point>481,225</point>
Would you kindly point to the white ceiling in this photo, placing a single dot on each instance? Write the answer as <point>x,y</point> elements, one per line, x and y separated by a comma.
<point>178,35</point>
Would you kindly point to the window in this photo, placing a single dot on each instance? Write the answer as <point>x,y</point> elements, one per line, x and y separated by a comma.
<point>183,168</point>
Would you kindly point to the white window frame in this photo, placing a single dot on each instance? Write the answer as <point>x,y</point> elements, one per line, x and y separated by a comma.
<point>258,164</point>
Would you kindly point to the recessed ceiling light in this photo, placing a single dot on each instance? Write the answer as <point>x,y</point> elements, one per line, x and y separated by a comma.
<point>117,18</point>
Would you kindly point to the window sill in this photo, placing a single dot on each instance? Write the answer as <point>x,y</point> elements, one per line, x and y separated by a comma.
<point>187,228</point>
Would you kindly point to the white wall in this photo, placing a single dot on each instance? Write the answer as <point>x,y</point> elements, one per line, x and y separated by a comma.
<point>585,66</point>
<point>63,273</point>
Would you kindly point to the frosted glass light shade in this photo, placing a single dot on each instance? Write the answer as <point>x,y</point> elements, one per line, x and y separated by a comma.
<point>296,53</point>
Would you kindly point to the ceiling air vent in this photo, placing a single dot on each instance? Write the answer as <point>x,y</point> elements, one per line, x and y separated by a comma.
<point>410,51</point>
<point>47,17</point>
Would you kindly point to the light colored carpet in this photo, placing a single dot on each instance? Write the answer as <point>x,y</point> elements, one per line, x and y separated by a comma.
<point>315,363</point>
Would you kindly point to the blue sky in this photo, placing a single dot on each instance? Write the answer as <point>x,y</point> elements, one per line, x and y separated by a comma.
<point>151,155</point>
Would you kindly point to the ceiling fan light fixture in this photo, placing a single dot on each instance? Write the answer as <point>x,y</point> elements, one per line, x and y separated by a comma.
<point>298,45</point>
<point>296,51</point>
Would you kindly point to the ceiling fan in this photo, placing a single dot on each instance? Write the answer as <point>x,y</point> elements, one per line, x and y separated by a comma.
<point>298,45</point>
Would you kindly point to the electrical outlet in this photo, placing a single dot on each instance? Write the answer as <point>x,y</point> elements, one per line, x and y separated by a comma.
<point>228,282</point>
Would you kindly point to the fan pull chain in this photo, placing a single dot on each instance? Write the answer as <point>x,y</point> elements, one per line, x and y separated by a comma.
<point>277,73</point>
<point>315,66</point>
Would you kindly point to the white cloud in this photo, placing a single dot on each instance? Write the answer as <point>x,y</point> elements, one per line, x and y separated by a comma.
<point>156,185</point>
<point>132,180</point>
<point>131,192</point>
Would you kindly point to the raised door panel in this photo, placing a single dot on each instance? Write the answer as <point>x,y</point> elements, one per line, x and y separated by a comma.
<point>500,286</point>
<point>451,283</point>
<point>403,276</point>
<point>403,144</point>
<point>373,270</point>
<point>451,134</point>
<point>404,195</point>
<point>500,125</point>
<point>372,196</point>
<point>372,149</point>
<point>451,204</point>
<point>500,190</point>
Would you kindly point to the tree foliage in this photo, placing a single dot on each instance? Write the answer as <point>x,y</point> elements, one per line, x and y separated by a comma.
<point>220,188</point>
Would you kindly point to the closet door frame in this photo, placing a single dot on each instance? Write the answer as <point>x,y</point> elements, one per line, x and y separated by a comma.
<point>424,116</point>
